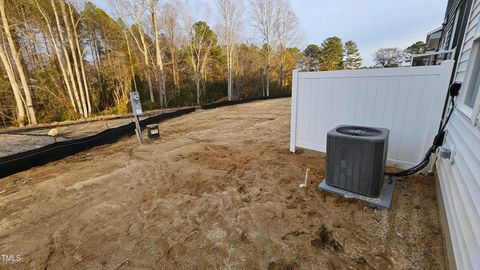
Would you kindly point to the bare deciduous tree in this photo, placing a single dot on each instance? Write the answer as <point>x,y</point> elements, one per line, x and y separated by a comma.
<point>60,58</point>
<point>63,45</point>
<point>80,56</point>
<point>230,25</point>
<point>264,17</point>
<point>171,28</point>
<point>158,53</point>
<point>200,40</point>
<point>286,32</point>
<point>129,10</point>
<point>70,57</point>
<point>13,83</point>
<point>73,51</point>
<point>18,64</point>
<point>389,57</point>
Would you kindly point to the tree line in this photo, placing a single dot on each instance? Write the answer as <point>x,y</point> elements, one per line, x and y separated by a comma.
<point>395,57</point>
<point>332,54</point>
<point>68,60</point>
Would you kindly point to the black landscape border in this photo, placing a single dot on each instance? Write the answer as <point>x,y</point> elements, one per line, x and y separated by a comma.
<point>25,160</point>
<point>235,102</point>
<point>36,157</point>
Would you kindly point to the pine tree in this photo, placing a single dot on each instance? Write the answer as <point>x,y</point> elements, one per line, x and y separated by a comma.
<point>352,56</point>
<point>416,48</point>
<point>331,56</point>
<point>312,54</point>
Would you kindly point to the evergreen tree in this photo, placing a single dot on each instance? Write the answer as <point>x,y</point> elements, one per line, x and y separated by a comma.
<point>418,47</point>
<point>352,56</point>
<point>312,54</point>
<point>331,57</point>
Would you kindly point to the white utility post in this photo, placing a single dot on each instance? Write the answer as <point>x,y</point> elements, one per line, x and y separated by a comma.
<point>137,110</point>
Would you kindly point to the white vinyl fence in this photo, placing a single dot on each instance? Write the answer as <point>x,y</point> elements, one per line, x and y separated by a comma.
<point>406,100</point>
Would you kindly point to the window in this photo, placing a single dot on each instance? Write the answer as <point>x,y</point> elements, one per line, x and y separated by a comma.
<point>454,35</point>
<point>474,83</point>
<point>470,95</point>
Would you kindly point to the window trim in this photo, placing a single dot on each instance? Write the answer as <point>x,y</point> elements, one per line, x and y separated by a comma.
<point>477,28</point>
<point>454,28</point>
<point>464,109</point>
<point>471,113</point>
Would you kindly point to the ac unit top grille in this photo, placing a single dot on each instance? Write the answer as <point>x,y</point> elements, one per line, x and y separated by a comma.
<point>359,131</point>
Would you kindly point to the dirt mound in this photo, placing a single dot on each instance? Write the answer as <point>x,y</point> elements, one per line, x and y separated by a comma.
<point>324,239</point>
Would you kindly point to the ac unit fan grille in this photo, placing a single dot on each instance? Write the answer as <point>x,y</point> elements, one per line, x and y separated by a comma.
<point>356,163</point>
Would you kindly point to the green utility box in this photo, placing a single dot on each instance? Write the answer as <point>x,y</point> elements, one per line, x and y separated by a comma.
<point>153,131</point>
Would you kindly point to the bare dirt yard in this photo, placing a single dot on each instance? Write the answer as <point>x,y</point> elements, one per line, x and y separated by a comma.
<point>218,191</point>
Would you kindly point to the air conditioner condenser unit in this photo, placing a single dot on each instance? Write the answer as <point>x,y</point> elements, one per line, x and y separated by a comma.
<point>356,158</point>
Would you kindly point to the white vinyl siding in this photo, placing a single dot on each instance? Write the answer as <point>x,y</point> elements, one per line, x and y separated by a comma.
<point>460,177</point>
<point>468,41</point>
<point>460,186</point>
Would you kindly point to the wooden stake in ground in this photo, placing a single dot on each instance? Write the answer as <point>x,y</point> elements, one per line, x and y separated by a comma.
<point>304,184</point>
<point>138,129</point>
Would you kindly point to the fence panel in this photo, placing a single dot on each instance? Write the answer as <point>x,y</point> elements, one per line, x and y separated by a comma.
<point>407,100</point>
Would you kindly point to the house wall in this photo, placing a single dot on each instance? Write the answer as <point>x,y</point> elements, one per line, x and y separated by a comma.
<point>466,48</point>
<point>449,26</point>
<point>459,180</point>
<point>406,100</point>
<point>459,177</point>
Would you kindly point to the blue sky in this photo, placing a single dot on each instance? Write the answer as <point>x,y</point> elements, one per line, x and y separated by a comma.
<point>372,24</point>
